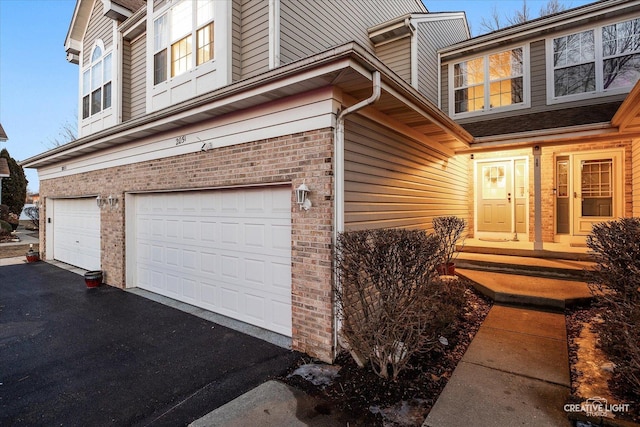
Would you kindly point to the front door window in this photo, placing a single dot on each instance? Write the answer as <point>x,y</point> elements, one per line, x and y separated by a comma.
<point>597,187</point>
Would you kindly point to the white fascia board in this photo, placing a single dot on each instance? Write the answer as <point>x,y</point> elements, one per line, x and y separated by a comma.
<point>78,25</point>
<point>293,115</point>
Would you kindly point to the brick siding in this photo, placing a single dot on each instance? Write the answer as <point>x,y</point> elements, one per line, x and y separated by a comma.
<point>289,159</point>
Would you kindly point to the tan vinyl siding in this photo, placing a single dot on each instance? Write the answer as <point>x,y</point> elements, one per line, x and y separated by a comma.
<point>157,4</point>
<point>444,89</point>
<point>397,56</point>
<point>100,28</point>
<point>434,35</point>
<point>309,27</point>
<point>254,37</point>
<point>538,74</point>
<point>138,77</point>
<point>635,169</point>
<point>126,80</point>
<point>236,30</point>
<point>393,181</point>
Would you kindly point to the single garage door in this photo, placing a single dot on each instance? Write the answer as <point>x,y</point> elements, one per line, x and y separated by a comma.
<point>76,232</point>
<point>228,251</point>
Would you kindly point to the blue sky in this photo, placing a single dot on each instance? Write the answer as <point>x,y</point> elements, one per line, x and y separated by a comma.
<point>39,88</point>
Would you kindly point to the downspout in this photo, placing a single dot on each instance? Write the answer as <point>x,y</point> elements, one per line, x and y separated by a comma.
<point>339,152</point>
<point>338,176</point>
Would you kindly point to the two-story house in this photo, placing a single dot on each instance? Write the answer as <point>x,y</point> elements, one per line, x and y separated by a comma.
<point>548,105</point>
<point>202,121</point>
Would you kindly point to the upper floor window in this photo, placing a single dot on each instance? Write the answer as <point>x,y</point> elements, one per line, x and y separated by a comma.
<point>96,83</point>
<point>489,82</point>
<point>596,60</point>
<point>183,38</point>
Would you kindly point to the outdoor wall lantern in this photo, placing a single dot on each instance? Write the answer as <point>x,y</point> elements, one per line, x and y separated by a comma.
<point>101,201</point>
<point>302,198</point>
<point>112,201</point>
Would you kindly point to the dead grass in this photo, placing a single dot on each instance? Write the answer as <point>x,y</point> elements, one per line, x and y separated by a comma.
<point>11,251</point>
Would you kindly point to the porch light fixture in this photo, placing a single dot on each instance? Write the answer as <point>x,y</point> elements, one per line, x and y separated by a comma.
<point>302,198</point>
<point>112,201</point>
<point>101,201</point>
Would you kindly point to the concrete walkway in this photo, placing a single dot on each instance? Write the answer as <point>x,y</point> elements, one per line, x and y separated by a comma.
<point>515,372</point>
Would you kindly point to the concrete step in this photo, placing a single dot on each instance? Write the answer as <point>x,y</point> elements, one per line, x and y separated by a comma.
<point>578,275</point>
<point>528,291</point>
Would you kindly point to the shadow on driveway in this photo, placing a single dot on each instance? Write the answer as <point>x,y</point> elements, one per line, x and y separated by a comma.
<point>74,356</point>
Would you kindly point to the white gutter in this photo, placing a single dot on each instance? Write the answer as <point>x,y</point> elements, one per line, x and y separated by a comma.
<point>339,152</point>
<point>338,173</point>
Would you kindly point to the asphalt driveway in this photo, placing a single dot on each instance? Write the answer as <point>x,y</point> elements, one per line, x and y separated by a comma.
<point>73,356</point>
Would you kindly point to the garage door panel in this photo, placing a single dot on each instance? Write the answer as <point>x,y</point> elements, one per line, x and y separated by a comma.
<point>76,232</point>
<point>232,250</point>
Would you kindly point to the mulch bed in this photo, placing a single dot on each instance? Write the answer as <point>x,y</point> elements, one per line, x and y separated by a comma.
<point>365,396</point>
<point>590,368</point>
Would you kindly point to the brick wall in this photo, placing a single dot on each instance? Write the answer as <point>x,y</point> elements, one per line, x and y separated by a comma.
<point>290,159</point>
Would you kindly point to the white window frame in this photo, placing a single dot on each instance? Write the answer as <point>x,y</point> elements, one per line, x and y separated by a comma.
<point>106,78</point>
<point>166,41</point>
<point>599,61</point>
<point>526,86</point>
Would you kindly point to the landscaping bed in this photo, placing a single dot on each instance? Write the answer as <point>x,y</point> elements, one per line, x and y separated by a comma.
<point>11,251</point>
<point>372,401</point>
<point>593,374</point>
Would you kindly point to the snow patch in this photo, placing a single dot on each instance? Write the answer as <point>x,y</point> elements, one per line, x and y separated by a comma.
<point>318,375</point>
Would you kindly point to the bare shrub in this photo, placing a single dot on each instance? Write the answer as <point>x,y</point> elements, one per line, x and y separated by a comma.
<point>616,282</point>
<point>449,230</point>
<point>391,301</point>
<point>34,215</point>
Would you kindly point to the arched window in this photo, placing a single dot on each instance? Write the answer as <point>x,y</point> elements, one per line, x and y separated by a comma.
<point>96,83</point>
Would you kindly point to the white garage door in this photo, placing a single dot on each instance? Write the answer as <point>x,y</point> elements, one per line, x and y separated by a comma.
<point>76,232</point>
<point>228,251</point>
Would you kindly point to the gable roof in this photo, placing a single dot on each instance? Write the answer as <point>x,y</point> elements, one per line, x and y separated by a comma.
<point>3,134</point>
<point>627,118</point>
<point>115,9</point>
<point>541,26</point>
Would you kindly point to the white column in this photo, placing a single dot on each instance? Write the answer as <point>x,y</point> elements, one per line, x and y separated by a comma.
<point>537,198</point>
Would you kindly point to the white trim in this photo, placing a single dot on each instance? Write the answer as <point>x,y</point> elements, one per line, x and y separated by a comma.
<point>283,117</point>
<point>414,59</point>
<point>274,33</point>
<point>526,83</point>
<point>198,79</point>
<point>598,61</point>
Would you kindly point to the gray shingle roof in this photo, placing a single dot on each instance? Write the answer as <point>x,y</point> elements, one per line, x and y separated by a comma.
<point>591,114</point>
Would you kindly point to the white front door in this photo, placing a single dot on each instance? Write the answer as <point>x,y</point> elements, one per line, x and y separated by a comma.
<point>76,232</point>
<point>501,198</point>
<point>227,251</point>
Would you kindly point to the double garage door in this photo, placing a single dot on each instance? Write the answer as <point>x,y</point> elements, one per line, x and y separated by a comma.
<point>227,251</point>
